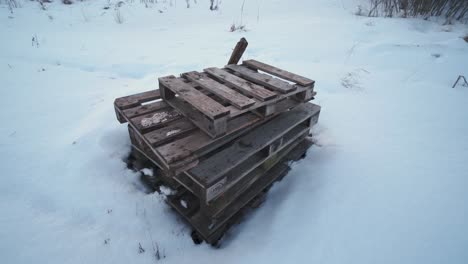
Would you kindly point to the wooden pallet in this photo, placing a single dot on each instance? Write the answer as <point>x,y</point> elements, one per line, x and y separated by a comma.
<point>213,98</point>
<point>220,178</point>
<point>170,139</point>
<point>210,228</point>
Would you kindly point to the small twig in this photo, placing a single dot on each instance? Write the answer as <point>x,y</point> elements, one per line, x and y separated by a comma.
<point>458,79</point>
<point>140,248</point>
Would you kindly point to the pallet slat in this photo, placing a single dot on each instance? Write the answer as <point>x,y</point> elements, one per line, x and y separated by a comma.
<point>154,120</point>
<point>197,99</point>
<point>198,142</point>
<point>144,109</point>
<point>136,99</point>
<point>233,97</point>
<point>212,169</point>
<point>247,87</point>
<point>263,79</point>
<point>169,132</point>
<point>279,72</point>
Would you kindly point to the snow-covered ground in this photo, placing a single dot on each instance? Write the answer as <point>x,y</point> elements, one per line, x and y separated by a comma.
<point>385,184</point>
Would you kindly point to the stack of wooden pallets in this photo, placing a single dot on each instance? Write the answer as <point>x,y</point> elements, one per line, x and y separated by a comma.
<point>220,137</point>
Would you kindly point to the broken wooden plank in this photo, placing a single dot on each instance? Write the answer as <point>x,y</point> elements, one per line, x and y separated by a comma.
<point>238,100</point>
<point>169,132</point>
<point>243,85</point>
<point>279,72</point>
<point>197,99</point>
<point>263,79</point>
<point>238,51</point>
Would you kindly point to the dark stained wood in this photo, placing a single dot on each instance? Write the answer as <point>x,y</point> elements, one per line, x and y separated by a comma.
<point>238,51</point>
<point>279,72</point>
<point>238,100</point>
<point>197,99</point>
<point>243,85</point>
<point>262,79</point>
<point>169,132</point>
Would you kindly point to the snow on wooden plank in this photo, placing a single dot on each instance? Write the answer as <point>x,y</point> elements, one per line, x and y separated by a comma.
<point>197,99</point>
<point>238,100</point>
<point>263,79</point>
<point>243,85</point>
<point>279,72</point>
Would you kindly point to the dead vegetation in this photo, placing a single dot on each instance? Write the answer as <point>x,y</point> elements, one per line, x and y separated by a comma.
<point>450,9</point>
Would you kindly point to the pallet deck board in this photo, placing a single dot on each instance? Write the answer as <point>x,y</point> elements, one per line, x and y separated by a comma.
<point>136,99</point>
<point>197,99</point>
<point>238,100</point>
<point>144,109</point>
<point>263,79</point>
<point>169,132</point>
<point>245,86</point>
<point>210,170</point>
<point>155,119</point>
<point>196,142</point>
<point>279,72</point>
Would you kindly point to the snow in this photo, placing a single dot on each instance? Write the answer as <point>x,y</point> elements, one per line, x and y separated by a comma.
<point>386,182</point>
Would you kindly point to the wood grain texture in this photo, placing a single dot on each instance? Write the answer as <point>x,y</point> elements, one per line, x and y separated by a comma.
<point>136,99</point>
<point>262,79</point>
<point>233,97</point>
<point>212,169</point>
<point>243,85</point>
<point>279,72</point>
<point>169,132</point>
<point>197,99</point>
<point>238,51</point>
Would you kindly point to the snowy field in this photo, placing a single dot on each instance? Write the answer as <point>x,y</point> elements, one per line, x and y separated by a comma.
<point>386,183</point>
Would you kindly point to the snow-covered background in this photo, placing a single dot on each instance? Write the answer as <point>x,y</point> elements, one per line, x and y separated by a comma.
<point>387,182</point>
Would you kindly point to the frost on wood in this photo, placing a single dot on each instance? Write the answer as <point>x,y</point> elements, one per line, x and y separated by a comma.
<point>172,132</point>
<point>156,119</point>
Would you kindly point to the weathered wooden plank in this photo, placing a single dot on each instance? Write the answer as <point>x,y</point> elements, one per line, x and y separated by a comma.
<point>144,109</point>
<point>238,100</point>
<point>199,143</point>
<point>155,120</point>
<point>213,169</point>
<point>243,85</point>
<point>169,132</point>
<point>279,72</point>
<point>238,51</point>
<point>248,173</point>
<point>197,99</point>
<point>214,128</point>
<point>210,229</point>
<point>136,99</point>
<point>263,79</point>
